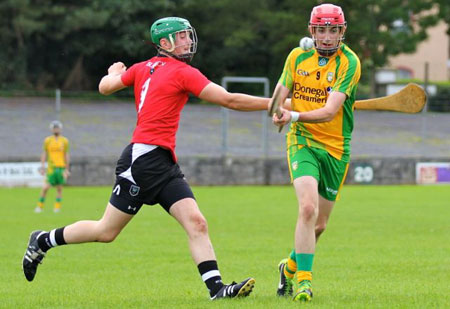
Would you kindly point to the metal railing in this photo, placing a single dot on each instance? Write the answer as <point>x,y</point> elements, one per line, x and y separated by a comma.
<point>226,112</point>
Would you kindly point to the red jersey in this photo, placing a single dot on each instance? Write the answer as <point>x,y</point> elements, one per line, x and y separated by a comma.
<point>161,89</point>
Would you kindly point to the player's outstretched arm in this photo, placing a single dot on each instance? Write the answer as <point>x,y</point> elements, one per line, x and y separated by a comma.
<point>238,101</point>
<point>112,82</point>
<point>323,114</point>
<point>326,113</point>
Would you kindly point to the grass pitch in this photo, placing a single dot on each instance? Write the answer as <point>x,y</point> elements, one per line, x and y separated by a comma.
<point>385,247</point>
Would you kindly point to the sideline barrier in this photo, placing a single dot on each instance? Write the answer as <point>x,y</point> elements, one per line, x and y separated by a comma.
<point>241,171</point>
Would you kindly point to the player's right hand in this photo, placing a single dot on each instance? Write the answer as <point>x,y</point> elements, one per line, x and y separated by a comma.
<point>117,68</point>
<point>66,174</point>
<point>284,119</point>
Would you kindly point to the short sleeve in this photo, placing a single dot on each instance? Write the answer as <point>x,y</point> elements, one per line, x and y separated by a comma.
<point>129,75</point>
<point>348,74</point>
<point>66,145</point>
<point>286,78</point>
<point>193,80</point>
<point>45,144</point>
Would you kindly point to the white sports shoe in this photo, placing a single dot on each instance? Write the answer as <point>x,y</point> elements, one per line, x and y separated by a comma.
<point>38,209</point>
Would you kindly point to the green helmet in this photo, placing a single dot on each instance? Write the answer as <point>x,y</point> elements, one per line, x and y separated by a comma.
<point>167,28</point>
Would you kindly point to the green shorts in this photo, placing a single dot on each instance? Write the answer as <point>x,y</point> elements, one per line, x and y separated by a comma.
<point>56,177</point>
<point>327,170</point>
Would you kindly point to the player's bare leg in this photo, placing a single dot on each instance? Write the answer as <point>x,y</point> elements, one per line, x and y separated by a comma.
<point>45,189</point>
<point>288,266</point>
<point>306,188</point>
<point>187,213</point>
<point>57,206</point>
<point>104,230</point>
<point>325,208</point>
<point>308,201</point>
<point>42,196</point>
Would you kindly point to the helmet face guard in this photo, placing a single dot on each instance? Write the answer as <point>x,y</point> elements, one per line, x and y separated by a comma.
<point>327,26</point>
<point>168,28</point>
<point>319,42</point>
<point>186,57</point>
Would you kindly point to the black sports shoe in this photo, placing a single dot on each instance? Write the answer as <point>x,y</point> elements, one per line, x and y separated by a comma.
<point>285,284</point>
<point>234,289</point>
<point>33,256</point>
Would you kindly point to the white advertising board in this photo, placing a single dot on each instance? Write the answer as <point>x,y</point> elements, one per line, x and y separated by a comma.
<point>20,174</point>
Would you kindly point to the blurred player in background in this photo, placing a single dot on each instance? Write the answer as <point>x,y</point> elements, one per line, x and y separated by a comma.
<point>323,84</point>
<point>147,171</point>
<point>56,153</point>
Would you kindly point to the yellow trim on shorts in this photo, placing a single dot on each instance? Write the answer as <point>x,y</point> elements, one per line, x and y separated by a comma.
<point>289,160</point>
<point>289,165</point>
<point>338,197</point>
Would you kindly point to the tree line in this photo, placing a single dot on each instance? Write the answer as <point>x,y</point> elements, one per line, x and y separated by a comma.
<point>49,44</point>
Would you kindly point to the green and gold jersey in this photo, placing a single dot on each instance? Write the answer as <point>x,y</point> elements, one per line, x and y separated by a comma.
<point>56,148</point>
<point>311,78</point>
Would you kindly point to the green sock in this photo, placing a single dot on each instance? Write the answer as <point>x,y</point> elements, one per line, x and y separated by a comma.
<point>304,261</point>
<point>41,199</point>
<point>291,266</point>
<point>293,256</point>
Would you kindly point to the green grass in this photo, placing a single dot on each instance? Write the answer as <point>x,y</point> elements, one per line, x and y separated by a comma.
<point>385,247</point>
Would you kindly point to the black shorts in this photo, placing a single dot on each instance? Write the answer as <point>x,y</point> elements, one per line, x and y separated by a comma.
<point>147,174</point>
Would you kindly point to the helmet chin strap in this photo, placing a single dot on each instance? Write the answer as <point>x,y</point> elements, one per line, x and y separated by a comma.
<point>184,57</point>
<point>327,52</point>
<point>172,43</point>
<point>187,58</point>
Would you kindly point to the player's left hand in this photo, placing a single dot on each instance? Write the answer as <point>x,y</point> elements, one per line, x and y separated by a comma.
<point>66,174</point>
<point>283,120</point>
<point>117,68</point>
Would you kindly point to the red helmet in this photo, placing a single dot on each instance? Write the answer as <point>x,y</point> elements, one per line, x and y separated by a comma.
<point>327,14</point>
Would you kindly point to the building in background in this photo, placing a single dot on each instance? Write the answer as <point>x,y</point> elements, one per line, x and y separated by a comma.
<point>435,50</point>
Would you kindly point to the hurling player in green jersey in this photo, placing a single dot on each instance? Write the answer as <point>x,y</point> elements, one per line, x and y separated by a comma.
<point>323,84</point>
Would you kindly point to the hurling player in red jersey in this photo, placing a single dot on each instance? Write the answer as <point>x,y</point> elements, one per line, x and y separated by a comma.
<point>147,171</point>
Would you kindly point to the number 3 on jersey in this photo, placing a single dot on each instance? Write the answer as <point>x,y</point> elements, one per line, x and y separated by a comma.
<point>143,94</point>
